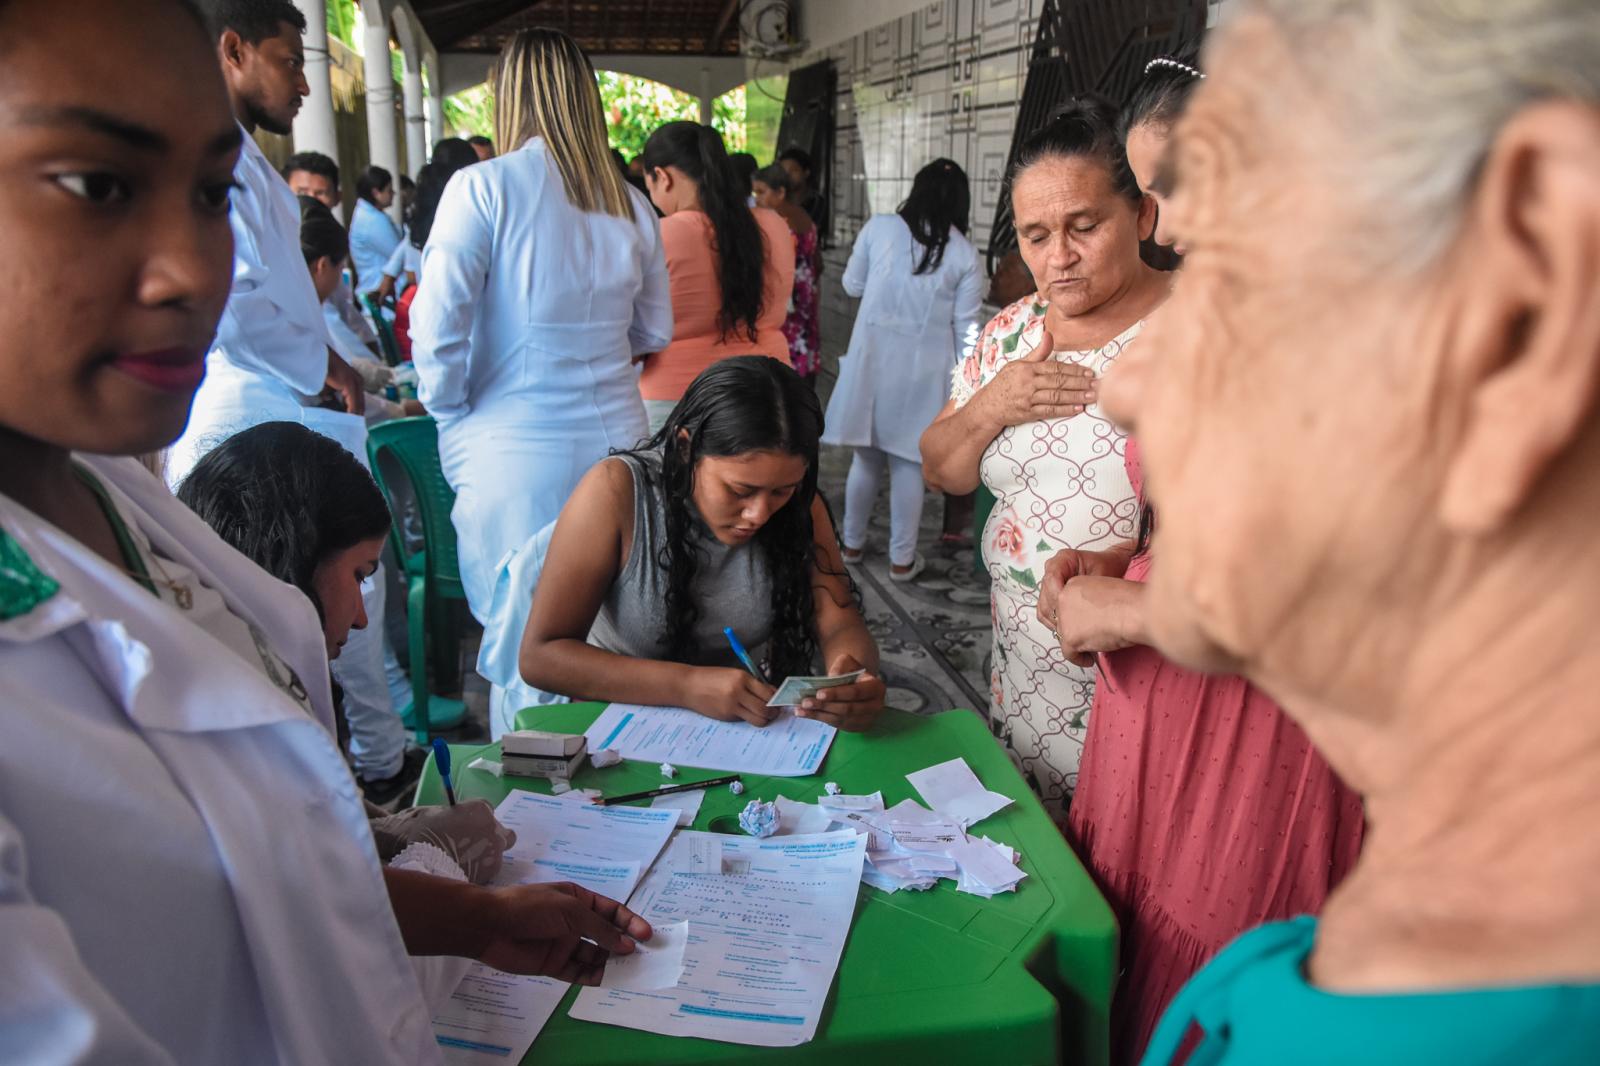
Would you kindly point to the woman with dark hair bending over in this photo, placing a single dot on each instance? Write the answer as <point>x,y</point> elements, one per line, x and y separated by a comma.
<point>715,522</point>
<point>731,268</point>
<point>921,291</point>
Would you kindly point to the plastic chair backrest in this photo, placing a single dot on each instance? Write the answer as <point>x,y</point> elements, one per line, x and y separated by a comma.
<point>414,444</point>
<point>385,331</point>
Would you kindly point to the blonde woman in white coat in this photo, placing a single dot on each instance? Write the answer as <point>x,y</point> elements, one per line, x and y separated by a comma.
<point>921,290</point>
<point>545,276</point>
<point>187,874</point>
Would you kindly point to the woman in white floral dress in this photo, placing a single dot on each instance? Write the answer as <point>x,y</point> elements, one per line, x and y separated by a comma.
<point>1022,418</point>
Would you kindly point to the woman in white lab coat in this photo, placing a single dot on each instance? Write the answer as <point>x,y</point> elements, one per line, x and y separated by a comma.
<point>373,234</point>
<point>921,288</point>
<point>186,870</point>
<point>545,276</point>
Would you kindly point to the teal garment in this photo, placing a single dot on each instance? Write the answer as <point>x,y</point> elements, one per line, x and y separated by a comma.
<point>1254,1006</point>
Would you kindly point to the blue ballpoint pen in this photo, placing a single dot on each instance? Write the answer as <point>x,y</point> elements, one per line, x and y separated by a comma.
<point>744,656</point>
<point>441,759</point>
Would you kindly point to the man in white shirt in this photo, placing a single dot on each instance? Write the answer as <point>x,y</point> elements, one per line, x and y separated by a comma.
<point>272,355</point>
<point>317,176</point>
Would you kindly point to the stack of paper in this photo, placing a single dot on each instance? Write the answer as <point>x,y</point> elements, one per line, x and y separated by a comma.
<point>494,1016</point>
<point>767,921</point>
<point>910,847</point>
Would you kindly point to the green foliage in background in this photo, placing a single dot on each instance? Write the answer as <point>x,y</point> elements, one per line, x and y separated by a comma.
<point>342,21</point>
<point>633,107</point>
<point>470,113</point>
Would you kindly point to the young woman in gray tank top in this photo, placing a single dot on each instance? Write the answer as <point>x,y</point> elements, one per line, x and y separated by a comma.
<point>714,522</point>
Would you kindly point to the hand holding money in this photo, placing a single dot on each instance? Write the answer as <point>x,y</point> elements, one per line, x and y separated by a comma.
<point>851,702</point>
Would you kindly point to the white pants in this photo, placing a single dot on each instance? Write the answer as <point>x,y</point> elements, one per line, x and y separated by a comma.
<point>658,411</point>
<point>905,502</point>
<point>515,579</point>
<point>377,736</point>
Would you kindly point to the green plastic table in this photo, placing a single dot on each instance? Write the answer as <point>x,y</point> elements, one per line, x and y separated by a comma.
<point>936,976</point>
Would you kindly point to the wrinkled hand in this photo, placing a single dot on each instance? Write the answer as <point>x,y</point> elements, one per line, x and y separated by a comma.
<point>853,707</point>
<point>1096,614</point>
<point>467,832</point>
<point>730,695</point>
<point>1067,564</point>
<point>1037,387</point>
<point>560,930</point>
<point>346,383</point>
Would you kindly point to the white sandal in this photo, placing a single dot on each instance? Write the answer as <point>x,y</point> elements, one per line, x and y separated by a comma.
<point>918,565</point>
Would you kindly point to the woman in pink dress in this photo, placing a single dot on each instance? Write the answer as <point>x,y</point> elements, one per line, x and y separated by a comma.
<point>1201,809</point>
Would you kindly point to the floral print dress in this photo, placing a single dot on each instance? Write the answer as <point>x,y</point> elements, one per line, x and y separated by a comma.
<point>1059,483</point>
<point>801,326</point>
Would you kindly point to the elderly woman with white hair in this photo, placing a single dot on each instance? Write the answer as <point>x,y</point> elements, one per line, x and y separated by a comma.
<point>1370,422</point>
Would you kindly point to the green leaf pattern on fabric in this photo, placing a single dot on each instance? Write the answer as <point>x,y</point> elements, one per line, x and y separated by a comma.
<point>23,586</point>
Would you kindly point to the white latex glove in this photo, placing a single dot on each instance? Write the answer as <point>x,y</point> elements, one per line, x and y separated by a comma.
<point>467,832</point>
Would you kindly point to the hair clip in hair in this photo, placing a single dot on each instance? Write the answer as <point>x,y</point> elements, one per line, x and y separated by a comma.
<point>1174,64</point>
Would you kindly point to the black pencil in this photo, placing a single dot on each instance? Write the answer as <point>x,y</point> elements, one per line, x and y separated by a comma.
<point>667,790</point>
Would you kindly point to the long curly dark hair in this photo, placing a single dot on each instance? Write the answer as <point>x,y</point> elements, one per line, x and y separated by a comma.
<point>739,405</point>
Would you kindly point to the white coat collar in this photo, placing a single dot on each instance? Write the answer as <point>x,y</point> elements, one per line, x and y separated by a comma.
<point>126,622</point>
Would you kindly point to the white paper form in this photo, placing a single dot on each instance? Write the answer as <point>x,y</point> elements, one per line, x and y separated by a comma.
<point>494,1016</point>
<point>763,947</point>
<point>952,789</point>
<point>687,804</point>
<point>786,747</point>
<point>655,964</point>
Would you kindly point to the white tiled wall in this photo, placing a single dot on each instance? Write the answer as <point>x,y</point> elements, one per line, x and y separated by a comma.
<point>942,81</point>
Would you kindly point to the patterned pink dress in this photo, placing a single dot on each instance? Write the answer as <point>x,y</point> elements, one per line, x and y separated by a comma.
<point>801,327</point>
<point>1202,811</point>
<point>1057,484</point>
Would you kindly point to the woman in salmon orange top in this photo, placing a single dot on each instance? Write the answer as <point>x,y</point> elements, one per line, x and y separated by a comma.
<point>732,268</point>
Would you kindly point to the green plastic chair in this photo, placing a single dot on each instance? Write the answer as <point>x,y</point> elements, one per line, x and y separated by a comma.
<point>433,575</point>
<point>384,328</point>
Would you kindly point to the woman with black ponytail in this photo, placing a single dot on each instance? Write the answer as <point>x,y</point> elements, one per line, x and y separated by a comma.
<point>714,522</point>
<point>732,268</point>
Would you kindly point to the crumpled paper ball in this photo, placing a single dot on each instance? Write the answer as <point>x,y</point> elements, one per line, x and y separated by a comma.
<point>759,819</point>
<point>603,758</point>
<point>668,770</point>
<point>736,787</point>
<point>832,788</point>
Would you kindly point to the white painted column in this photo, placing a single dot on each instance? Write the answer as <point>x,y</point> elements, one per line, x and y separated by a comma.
<point>435,104</point>
<point>383,146</point>
<point>416,136</point>
<point>314,130</point>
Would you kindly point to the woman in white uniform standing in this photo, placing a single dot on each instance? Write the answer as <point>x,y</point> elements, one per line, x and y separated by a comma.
<point>921,290</point>
<point>545,277</point>
<point>186,870</point>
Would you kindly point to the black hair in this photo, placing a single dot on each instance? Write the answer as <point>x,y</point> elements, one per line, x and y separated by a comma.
<point>774,177</point>
<point>449,155</point>
<point>738,405</point>
<point>1161,94</point>
<point>801,156</point>
<point>1085,127</point>
<point>313,163</point>
<point>744,168</point>
<point>321,233</point>
<point>940,201</point>
<point>478,138</point>
<point>735,236</point>
<point>407,183</point>
<point>371,180</point>
<point>255,20</point>
<point>288,498</point>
